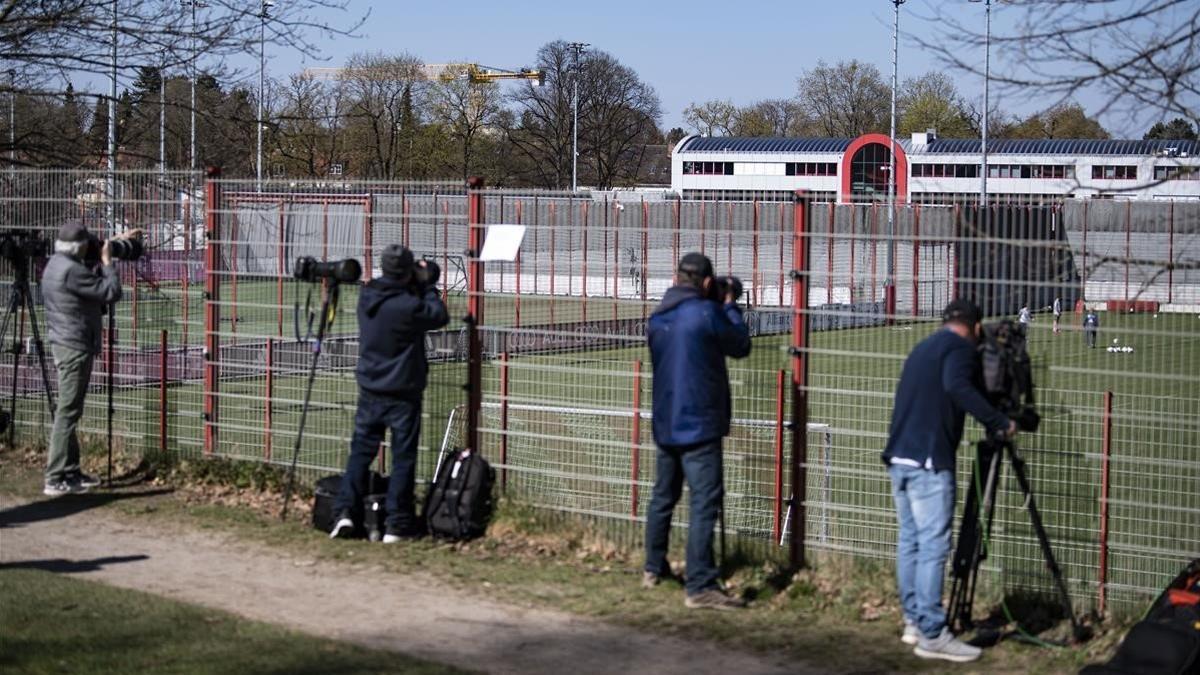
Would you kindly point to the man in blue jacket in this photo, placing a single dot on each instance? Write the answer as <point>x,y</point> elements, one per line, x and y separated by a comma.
<point>394,311</point>
<point>690,334</point>
<point>940,382</point>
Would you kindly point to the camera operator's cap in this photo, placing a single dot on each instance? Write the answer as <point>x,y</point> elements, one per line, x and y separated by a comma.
<point>72,232</point>
<point>961,309</point>
<point>397,261</point>
<point>696,264</point>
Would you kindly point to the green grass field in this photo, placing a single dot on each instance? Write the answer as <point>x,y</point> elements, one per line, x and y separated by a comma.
<point>569,445</point>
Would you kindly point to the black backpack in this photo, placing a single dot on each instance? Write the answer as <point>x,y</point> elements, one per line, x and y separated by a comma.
<point>1167,641</point>
<point>459,504</point>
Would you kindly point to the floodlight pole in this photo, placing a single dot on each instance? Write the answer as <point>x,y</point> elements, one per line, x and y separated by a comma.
<point>262,69</point>
<point>162,121</point>
<point>983,137</point>
<point>12,119</point>
<point>577,48</point>
<point>890,281</point>
<point>112,124</point>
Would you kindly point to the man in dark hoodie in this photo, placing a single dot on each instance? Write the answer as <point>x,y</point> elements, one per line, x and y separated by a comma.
<point>690,334</point>
<point>940,382</point>
<point>394,311</point>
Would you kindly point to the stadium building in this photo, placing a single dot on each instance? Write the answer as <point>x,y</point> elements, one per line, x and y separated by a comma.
<point>933,170</point>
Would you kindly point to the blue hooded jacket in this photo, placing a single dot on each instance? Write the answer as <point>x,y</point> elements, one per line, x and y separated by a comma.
<point>689,337</point>
<point>392,320</point>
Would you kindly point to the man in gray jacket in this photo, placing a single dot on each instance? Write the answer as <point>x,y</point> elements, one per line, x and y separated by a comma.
<point>75,296</point>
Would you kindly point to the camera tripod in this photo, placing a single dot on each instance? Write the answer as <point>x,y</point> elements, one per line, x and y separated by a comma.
<point>21,300</point>
<point>976,530</point>
<point>328,307</point>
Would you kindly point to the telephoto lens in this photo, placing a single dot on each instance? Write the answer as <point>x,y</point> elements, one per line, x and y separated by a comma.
<point>723,286</point>
<point>309,269</point>
<point>126,249</point>
<point>427,273</point>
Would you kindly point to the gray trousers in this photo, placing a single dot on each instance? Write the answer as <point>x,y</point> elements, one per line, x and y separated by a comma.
<point>74,373</point>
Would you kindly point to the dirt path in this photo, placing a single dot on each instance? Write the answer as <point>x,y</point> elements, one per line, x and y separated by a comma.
<point>412,614</point>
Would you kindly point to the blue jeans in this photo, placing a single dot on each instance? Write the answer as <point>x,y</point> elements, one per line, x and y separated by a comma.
<point>925,510</point>
<point>701,466</point>
<point>375,415</point>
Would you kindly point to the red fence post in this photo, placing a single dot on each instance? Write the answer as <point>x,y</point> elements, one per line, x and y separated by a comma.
<point>404,222</point>
<point>212,307</point>
<point>780,396</point>
<point>1084,275</point>
<point>617,208</point>
<point>755,291</point>
<point>553,254</point>
<point>162,390</point>
<point>853,237</point>
<point>517,302</point>
<point>475,288</point>
<point>636,433</point>
<point>584,207</point>
<point>233,272</point>
<point>645,253</point>
<point>504,421</point>
<point>1106,453</point>
<point>829,258</point>
<point>188,234</point>
<point>268,404</point>
<point>802,204</point>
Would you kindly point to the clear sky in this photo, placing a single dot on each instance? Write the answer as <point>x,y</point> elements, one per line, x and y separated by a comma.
<point>688,51</point>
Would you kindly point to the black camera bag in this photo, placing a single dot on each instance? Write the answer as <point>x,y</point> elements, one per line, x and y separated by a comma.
<point>459,504</point>
<point>325,493</point>
<point>1167,640</point>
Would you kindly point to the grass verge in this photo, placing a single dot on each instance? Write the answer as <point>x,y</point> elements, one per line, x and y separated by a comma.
<point>56,624</point>
<point>842,612</point>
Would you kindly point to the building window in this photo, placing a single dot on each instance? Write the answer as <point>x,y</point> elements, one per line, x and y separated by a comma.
<point>869,172</point>
<point>1117,172</point>
<point>708,168</point>
<point>1176,173</point>
<point>812,168</point>
<point>1037,171</point>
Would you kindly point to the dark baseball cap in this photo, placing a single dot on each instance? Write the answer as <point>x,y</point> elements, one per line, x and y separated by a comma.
<point>397,261</point>
<point>961,309</point>
<point>72,231</point>
<point>696,264</point>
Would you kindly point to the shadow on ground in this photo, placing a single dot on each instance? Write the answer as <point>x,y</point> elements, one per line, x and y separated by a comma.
<point>64,566</point>
<point>68,505</point>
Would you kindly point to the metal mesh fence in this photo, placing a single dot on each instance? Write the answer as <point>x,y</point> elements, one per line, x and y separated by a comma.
<point>213,340</point>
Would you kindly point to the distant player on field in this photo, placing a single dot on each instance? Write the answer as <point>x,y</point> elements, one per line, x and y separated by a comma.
<point>1091,328</point>
<point>1024,317</point>
<point>1057,313</point>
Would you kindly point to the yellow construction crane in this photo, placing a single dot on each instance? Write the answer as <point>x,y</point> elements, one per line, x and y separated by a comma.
<point>473,72</point>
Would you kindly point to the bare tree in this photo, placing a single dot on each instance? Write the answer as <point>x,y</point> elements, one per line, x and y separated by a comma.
<point>773,117</point>
<point>386,95</point>
<point>1140,57</point>
<point>712,118</point>
<point>45,43</point>
<point>847,99</point>
<point>932,101</point>
<point>619,120</point>
<point>310,125</point>
<point>542,135</point>
<point>466,111</point>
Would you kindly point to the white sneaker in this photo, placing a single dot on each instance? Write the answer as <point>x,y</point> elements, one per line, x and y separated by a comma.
<point>911,634</point>
<point>946,646</point>
<point>58,488</point>
<point>343,528</point>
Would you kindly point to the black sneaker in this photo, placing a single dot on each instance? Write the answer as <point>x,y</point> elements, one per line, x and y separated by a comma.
<point>395,535</point>
<point>343,527</point>
<point>85,480</point>
<point>58,488</point>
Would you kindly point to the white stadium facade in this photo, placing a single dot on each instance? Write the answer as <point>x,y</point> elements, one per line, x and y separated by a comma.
<point>931,170</point>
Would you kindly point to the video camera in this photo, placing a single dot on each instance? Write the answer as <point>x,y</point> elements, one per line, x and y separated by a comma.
<point>17,244</point>
<point>1008,373</point>
<point>310,269</point>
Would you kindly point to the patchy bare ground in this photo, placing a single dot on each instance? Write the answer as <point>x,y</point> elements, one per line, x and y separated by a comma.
<point>413,613</point>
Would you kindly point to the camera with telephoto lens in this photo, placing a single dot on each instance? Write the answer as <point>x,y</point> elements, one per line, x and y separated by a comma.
<point>723,286</point>
<point>1008,373</point>
<point>426,275</point>
<point>18,244</point>
<point>131,248</point>
<point>310,269</point>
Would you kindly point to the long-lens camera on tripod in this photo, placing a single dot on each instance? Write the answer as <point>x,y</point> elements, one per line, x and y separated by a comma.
<point>21,244</point>
<point>312,270</point>
<point>19,248</point>
<point>1008,383</point>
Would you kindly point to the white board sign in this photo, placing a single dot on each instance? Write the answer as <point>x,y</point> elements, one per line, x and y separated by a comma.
<point>502,243</point>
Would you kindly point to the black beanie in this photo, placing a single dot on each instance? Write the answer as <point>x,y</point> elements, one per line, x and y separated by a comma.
<point>397,261</point>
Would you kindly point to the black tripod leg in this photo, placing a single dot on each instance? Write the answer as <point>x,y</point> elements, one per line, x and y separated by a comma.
<point>1035,517</point>
<point>112,338</point>
<point>976,527</point>
<point>330,301</point>
<point>14,301</point>
<point>18,310</point>
<point>39,349</point>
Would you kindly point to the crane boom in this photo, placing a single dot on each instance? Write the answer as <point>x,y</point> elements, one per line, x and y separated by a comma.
<point>473,72</point>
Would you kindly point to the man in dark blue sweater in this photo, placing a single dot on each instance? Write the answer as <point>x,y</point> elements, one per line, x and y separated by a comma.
<point>394,311</point>
<point>940,382</point>
<point>690,334</point>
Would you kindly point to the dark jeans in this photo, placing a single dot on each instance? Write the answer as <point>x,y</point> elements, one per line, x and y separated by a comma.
<point>375,415</point>
<point>701,466</point>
